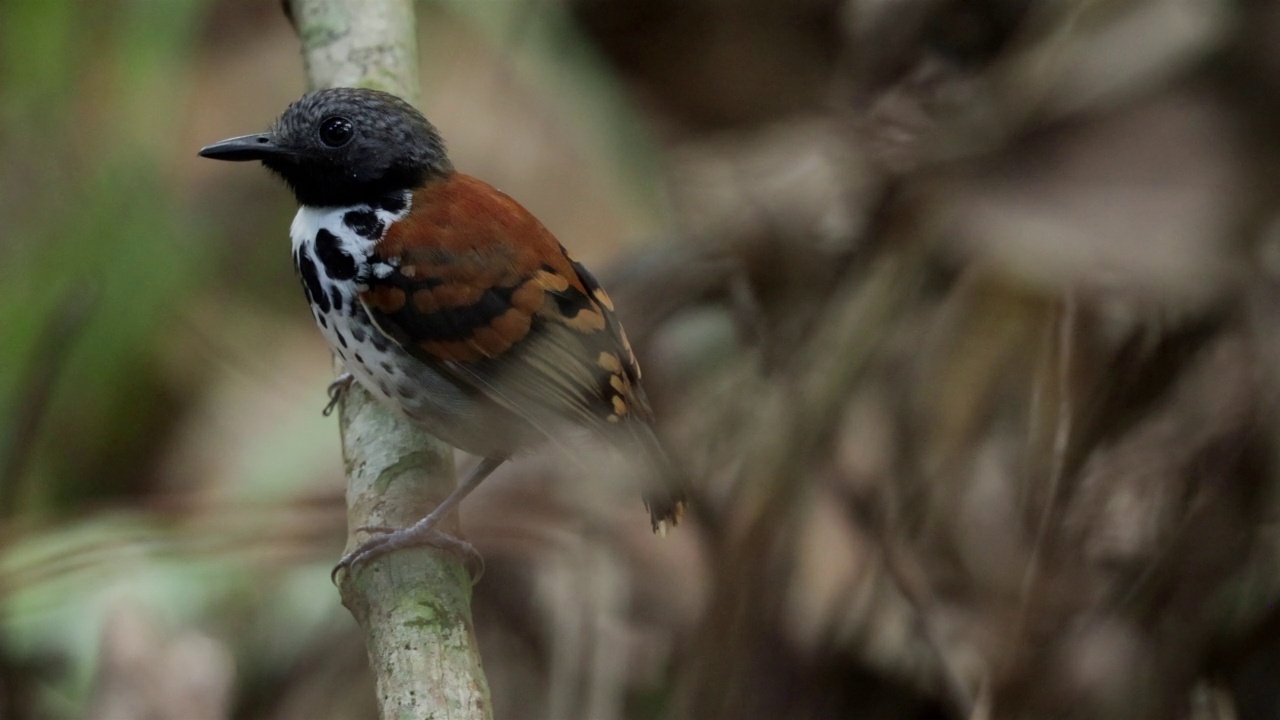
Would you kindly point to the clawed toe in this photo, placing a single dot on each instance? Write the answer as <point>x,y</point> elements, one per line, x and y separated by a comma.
<point>424,532</point>
<point>389,540</point>
<point>375,529</point>
<point>336,390</point>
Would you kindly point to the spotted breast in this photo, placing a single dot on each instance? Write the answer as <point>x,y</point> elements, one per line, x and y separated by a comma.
<point>333,252</point>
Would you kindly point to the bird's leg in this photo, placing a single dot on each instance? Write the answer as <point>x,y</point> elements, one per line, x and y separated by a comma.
<point>337,388</point>
<point>424,532</point>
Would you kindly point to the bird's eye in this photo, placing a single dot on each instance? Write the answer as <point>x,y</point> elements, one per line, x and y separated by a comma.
<point>336,131</point>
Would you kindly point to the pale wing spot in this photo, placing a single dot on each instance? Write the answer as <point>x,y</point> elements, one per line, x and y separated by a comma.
<point>603,298</point>
<point>610,362</point>
<point>550,281</point>
<point>586,321</point>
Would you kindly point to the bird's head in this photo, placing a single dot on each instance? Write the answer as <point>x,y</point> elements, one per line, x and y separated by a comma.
<point>344,146</point>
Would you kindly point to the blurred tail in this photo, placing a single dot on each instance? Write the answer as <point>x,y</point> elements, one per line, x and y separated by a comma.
<point>665,496</point>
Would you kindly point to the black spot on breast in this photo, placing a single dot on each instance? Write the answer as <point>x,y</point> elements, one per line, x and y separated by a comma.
<point>364,223</point>
<point>324,322</point>
<point>386,367</point>
<point>392,202</point>
<point>315,292</point>
<point>297,269</point>
<point>342,339</point>
<point>357,333</point>
<point>379,342</point>
<point>359,358</point>
<point>337,263</point>
<point>335,297</point>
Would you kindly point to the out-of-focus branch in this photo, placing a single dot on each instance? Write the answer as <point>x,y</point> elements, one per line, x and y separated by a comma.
<point>34,392</point>
<point>365,43</point>
<point>414,605</point>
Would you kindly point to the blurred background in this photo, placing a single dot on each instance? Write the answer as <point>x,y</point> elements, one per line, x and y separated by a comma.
<point>962,313</point>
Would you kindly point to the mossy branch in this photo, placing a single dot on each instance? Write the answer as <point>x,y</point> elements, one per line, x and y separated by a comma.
<point>414,605</point>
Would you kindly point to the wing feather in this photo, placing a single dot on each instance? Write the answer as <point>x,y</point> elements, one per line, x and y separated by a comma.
<point>480,288</point>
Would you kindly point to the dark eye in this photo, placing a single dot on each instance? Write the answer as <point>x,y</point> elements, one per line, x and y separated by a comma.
<point>336,131</point>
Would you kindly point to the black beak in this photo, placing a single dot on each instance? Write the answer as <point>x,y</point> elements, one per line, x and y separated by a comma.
<point>245,147</point>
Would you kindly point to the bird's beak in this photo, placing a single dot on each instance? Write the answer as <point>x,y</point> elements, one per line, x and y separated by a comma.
<point>246,147</point>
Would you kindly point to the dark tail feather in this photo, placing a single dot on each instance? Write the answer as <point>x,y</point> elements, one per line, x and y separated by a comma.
<point>665,496</point>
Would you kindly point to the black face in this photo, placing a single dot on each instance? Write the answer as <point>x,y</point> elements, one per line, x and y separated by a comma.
<point>344,146</point>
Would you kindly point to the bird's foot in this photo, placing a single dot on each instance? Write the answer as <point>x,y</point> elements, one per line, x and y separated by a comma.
<point>421,534</point>
<point>336,390</point>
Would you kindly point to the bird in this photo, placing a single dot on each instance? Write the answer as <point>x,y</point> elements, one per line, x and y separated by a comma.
<point>449,301</point>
